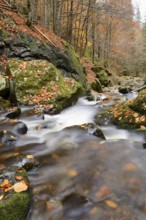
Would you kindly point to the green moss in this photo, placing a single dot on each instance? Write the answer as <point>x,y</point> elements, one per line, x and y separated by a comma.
<point>139,104</point>
<point>103,78</point>
<point>39,81</point>
<point>15,207</point>
<point>75,63</point>
<point>96,85</point>
<point>131,114</point>
<point>4,103</point>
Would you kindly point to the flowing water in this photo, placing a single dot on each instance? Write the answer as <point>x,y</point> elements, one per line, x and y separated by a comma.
<point>80,176</point>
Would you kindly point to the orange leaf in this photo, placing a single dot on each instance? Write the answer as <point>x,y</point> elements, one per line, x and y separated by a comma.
<point>5,182</point>
<point>72,173</point>
<point>111,204</point>
<point>18,177</point>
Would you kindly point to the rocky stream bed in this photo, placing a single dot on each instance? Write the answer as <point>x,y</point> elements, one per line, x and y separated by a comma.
<point>75,169</point>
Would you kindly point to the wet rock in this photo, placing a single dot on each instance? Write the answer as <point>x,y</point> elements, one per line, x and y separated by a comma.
<point>33,114</point>
<point>15,113</point>
<point>74,205</point>
<point>14,203</point>
<point>28,162</point>
<point>95,130</point>
<point>51,111</point>
<point>8,138</point>
<point>20,128</point>
<point>124,90</point>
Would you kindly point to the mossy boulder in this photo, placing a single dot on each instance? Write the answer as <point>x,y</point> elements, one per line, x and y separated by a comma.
<point>96,85</point>
<point>27,47</point>
<point>139,104</point>
<point>39,82</point>
<point>14,205</point>
<point>103,78</point>
<point>97,69</point>
<point>131,114</point>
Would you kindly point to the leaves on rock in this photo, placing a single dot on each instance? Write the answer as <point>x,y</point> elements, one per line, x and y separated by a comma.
<point>20,187</point>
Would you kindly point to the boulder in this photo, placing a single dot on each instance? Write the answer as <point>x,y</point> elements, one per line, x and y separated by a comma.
<point>39,82</point>
<point>96,86</point>
<point>124,90</point>
<point>103,78</point>
<point>27,47</point>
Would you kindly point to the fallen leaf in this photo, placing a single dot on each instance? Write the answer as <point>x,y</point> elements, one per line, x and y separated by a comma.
<point>111,204</point>
<point>1,197</point>
<point>4,182</point>
<point>18,177</point>
<point>20,187</point>
<point>103,191</point>
<point>130,167</point>
<point>93,211</point>
<point>7,187</point>
<point>29,156</point>
<point>72,173</point>
<point>20,170</point>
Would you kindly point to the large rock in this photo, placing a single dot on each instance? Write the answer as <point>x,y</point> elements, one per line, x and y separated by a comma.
<point>96,86</point>
<point>27,47</point>
<point>103,78</point>
<point>39,82</point>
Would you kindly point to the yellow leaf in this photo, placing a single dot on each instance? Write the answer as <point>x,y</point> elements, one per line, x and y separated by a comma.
<point>5,182</point>
<point>93,211</point>
<point>20,187</point>
<point>72,173</point>
<point>111,204</point>
<point>29,156</point>
<point>135,115</point>
<point>142,127</point>
<point>1,197</point>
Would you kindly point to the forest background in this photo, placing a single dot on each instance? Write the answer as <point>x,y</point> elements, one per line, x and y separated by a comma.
<point>109,32</point>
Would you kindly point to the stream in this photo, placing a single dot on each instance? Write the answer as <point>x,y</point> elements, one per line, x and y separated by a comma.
<point>79,176</point>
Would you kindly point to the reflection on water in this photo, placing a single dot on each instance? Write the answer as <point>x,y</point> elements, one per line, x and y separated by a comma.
<point>81,177</point>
